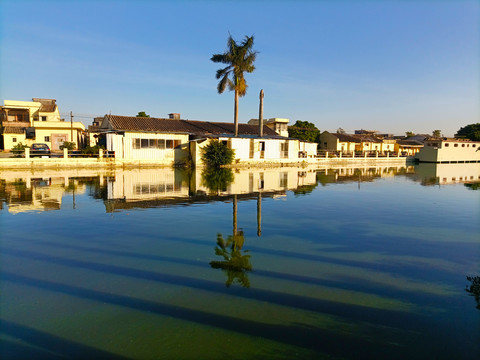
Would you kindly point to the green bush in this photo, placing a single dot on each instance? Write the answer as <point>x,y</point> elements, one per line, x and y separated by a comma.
<point>216,154</point>
<point>68,145</point>
<point>19,149</point>
<point>92,150</point>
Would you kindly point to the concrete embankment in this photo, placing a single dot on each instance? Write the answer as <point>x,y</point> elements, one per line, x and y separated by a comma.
<point>57,163</point>
<point>106,163</point>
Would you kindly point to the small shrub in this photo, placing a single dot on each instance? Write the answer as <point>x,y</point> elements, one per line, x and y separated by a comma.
<point>19,149</point>
<point>69,145</point>
<point>92,150</point>
<point>216,154</point>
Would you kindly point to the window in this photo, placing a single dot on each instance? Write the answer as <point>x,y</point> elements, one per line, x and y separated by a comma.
<point>463,145</point>
<point>446,145</point>
<point>455,145</point>
<point>152,143</point>
<point>47,138</point>
<point>284,150</point>
<point>283,179</point>
<point>44,118</point>
<point>261,145</point>
<point>473,145</point>
<point>14,139</point>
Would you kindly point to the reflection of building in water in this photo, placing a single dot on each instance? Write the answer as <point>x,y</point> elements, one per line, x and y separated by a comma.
<point>360,174</point>
<point>166,187</point>
<point>249,181</point>
<point>31,193</point>
<point>148,184</point>
<point>442,174</point>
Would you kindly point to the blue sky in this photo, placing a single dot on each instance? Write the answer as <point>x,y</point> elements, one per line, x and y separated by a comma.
<point>392,66</point>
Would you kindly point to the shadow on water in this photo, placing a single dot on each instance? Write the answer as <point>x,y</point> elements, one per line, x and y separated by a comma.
<point>474,288</point>
<point>388,317</point>
<point>308,337</point>
<point>44,346</point>
<point>356,284</point>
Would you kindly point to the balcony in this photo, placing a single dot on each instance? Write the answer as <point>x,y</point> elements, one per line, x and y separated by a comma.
<point>15,123</point>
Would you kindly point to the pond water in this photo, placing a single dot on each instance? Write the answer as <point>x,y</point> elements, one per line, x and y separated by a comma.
<point>332,263</point>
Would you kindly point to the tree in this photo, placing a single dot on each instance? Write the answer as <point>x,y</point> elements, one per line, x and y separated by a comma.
<point>471,132</point>
<point>437,133</point>
<point>239,59</point>
<point>340,131</point>
<point>142,114</point>
<point>409,133</point>
<point>474,289</point>
<point>304,130</point>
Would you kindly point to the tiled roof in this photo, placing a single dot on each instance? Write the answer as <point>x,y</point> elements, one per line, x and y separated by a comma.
<point>368,138</point>
<point>356,138</point>
<point>130,123</point>
<point>48,105</point>
<point>346,137</point>
<point>409,142</point>
<point>93,128</point>
<point>13,130</point>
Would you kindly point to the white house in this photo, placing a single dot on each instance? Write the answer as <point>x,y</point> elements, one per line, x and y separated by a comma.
<point>174,140</point>
<point>449,150</point>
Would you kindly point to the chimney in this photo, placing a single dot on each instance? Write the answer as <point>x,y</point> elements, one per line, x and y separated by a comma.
<point>260,115</point>
<point>174,116</point>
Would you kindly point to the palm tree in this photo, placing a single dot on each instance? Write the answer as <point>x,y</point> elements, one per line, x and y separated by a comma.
<point>240,59</point>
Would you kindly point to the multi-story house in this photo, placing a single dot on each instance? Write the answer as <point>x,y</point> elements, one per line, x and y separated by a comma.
<point>36,121</point>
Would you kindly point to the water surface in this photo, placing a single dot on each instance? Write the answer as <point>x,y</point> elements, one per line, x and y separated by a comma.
<point>342,263</point>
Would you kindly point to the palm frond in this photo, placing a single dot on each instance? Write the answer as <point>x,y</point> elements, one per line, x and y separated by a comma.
<point>223,84</point>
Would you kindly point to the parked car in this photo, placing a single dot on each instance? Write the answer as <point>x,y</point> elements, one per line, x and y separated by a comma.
<point>39,150</point>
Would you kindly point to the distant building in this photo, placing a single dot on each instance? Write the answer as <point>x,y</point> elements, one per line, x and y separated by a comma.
<point>330,141</point>
<point>408,147</point>
<point>449,150</point>
<point>36,121</point>
<point>279,125</point>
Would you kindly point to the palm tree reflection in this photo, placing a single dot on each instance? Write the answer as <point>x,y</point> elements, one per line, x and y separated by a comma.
<point>474,289</point>
<point>235,263</point>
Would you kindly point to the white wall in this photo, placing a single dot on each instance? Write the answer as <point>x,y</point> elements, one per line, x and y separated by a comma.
<point>124,148</point>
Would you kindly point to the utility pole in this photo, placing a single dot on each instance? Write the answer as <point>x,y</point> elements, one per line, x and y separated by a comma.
<point>71,126</point>
<point>260,115</point>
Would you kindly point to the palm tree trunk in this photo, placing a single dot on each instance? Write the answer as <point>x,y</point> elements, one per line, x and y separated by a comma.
<point>236,113</point>
<point>234,215</point>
